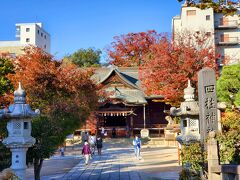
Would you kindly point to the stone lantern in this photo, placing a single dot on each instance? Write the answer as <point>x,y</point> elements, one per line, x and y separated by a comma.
<point>19,129</point>
<point>189,114</point>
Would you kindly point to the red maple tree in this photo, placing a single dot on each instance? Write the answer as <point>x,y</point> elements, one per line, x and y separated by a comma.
<point>47,81</point>
<point>170,64</point>
<point>129,49</point>
<point>64,93</point>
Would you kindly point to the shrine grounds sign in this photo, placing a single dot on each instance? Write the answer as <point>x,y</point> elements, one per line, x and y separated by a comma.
<point>207,102</point>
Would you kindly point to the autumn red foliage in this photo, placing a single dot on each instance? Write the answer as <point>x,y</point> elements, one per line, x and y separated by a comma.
<point>53,84</point>
<point>64,93</point>
<point>128,50</point>
<point>169,65</point>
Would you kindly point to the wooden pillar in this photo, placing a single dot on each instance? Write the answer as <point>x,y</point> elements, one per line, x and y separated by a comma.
<point>131,125</point>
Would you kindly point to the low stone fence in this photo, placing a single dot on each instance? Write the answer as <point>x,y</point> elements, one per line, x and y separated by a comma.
<point>227,172</point>
<point>215,170</point>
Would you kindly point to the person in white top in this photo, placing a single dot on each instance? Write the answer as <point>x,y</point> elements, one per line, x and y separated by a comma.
<point>102,131</point>
<point>92,142</point>
<point>137,146</point>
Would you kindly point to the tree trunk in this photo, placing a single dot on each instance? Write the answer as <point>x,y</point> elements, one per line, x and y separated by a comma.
<point>37,168</point>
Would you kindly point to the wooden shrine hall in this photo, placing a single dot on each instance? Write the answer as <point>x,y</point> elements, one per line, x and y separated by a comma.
<point>127,108</point>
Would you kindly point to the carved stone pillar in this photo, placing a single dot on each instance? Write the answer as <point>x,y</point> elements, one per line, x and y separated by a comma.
<point>213,159</point>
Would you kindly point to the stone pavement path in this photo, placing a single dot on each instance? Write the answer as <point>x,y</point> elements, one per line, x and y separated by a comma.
<point>57,166</point>
<point>116,163</point>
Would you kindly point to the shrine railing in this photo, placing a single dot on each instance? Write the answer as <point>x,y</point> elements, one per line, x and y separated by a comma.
<point>150,126</point>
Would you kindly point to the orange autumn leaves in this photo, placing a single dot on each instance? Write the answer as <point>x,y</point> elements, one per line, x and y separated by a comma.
<point>52,84</point>
<point>165,65</point>
<point>129,49</point>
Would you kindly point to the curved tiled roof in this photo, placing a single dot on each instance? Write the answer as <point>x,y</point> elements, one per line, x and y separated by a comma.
<point>130,76</point>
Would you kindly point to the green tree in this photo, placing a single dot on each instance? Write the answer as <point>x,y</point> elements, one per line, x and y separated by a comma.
<point>228,85</point>
<point>229,139</point>
<point>5,154</point>
<point>6,67</point>
<point>86,57</point>
<point>64,94</point>
<point>193,157</point>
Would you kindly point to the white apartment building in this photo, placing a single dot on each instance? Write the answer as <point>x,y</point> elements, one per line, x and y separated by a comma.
<point>224,30</point>
<point>27,34</point>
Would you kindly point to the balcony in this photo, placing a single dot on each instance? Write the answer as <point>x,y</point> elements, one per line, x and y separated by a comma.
<point>227,24</point>
<point>229,41</point>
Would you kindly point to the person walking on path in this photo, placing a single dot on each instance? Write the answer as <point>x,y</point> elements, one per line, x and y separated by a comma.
<point>85,136</point>
<point>92,142</point>
<point>62,151</point>
<point>137,146</point>
<point>86,152</point>
<point>102,131</point>
<point>114,133</point>
<point>99,145</point>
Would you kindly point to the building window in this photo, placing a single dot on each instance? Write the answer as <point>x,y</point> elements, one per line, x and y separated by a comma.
<point>38,31</point>
<point>42,34</point>
<point>45,37</point>
<point>27,39</point>
<point>27,29</point>
<point>207,17</point>
<point>191,12</point>
<point>224,37</point>
<point>45,46</point>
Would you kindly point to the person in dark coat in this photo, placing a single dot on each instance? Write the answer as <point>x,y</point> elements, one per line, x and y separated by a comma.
<point>114,133</point>
<point>86,151</point>
<point>99,145</point>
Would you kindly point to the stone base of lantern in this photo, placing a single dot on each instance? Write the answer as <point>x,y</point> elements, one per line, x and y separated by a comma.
<point>19,162</point>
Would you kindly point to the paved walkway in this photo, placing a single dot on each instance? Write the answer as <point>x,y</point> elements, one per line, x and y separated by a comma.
<point>57,166</point>
<point>118,163</point>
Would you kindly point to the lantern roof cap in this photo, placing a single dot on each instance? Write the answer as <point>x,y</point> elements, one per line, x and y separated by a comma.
<point>189,92</point>
<point>20,95</point>
<point>19,109</point>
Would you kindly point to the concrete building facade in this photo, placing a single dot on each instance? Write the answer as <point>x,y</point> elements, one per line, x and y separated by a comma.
<point>27,34</point>
<point>224,30</point>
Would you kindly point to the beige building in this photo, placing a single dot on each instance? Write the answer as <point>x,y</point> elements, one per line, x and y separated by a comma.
<point>27,34</point>
<point>224,30</point>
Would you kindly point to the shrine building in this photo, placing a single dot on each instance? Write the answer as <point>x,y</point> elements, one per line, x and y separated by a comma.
<point>126,107</point>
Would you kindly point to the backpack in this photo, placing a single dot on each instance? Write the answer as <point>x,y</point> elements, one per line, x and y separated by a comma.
<point>137,143</point>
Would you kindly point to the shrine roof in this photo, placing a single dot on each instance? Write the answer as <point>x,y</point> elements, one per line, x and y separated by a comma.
<point>130,76</point>
<point>127,74</point>
<point>129,96</point>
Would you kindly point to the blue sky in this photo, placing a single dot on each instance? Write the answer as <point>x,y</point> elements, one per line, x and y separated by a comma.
<point>75,24</point>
